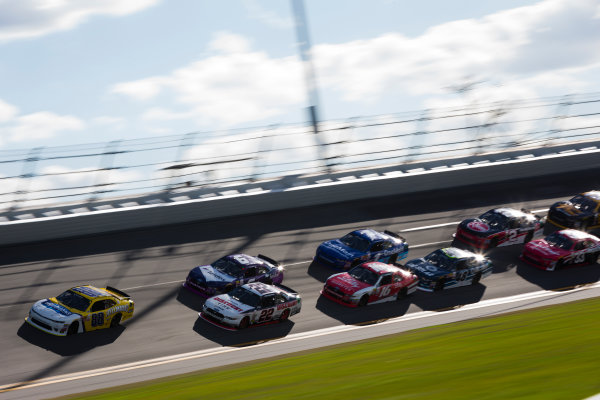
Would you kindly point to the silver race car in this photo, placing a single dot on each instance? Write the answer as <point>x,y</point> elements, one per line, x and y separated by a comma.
<point>254,303</point>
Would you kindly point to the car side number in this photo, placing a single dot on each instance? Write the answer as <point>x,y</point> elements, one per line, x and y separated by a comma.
<point>575,258</point>
<point>384,291</point>
<point>265,315</point>
<point>462,275</point>
<point>98,319</point>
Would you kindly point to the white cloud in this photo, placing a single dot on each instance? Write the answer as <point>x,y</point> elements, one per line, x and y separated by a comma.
<point>41,125</point>
<point>233,85</point>
<point>32,18</point>
<point>7,111</point>
<point>268,17</point>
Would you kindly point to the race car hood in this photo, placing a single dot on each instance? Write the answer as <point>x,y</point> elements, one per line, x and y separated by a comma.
<point>54,311</point>
<point>422,268</point>
<point>545,249</point>
<point>226,305</point>
<point>568,209</point>
<point>346,283</point>
<point>478,227</point>
<point>209,275</point>
<point>335,248</point>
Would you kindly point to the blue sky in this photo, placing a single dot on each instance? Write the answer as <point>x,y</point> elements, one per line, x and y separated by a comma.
<point>76,71</point>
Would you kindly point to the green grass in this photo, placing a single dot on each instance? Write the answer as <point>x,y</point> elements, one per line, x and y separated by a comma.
<point>546,353</point>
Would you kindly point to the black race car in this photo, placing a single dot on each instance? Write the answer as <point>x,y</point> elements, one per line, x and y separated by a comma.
<point>581,212</point>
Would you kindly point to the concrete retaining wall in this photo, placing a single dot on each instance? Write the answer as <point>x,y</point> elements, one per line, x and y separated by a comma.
<point>40,229</point>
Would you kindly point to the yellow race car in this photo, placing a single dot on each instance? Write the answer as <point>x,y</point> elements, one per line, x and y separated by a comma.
<point>81,309</point>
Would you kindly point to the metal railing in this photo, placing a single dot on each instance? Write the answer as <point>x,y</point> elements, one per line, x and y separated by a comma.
<point>87,173</point>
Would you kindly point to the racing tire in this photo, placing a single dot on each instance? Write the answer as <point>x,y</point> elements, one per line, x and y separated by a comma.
<point>244,323</point>
<point>73,328</point>
<point>402,294</point>
<point>439,285</point>
<point>363,301</point>
<point>115,321</point>
<point>393,258</point>
<point>528,237</point>
<point>284,315</point>
<point>559,264</point>
<point>476,279</point>
<point>592,258</point>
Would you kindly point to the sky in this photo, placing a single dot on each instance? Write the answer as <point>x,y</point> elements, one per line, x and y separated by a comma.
<point>97,70</point>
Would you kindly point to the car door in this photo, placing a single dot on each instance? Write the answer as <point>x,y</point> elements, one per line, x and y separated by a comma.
<point>462,272</point>
<point>383,287</point>
<point>375,251</point>
<point>267,308</point>
<point>250,274</point>
<point>97,319</point>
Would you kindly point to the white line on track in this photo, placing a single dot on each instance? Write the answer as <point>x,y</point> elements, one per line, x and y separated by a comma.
<point>291,338</point>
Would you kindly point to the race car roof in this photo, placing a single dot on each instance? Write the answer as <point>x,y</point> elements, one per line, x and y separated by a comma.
<point>245,259</point>
<point>593,194</point>
<point>379,267</point>
<point>370,234</point>
<point>90,292</point>
<point>261,288</point>
<point>455,252</point>
<point>577,235</point>
<point>510,212</point>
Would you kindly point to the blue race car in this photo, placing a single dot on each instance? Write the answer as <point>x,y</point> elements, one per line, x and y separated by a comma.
<point>230,271</point>
<point>449,267</point>
<point>360,246</point>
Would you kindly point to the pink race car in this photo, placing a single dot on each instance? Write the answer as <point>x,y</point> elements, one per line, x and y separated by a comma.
<point>562,249</point>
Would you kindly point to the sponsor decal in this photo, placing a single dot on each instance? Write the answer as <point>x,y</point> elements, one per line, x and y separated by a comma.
<point>116,309</point>
<point>228,304</point>
<point>478,226</point>
<point>62,310</point>
<point>286,305</point>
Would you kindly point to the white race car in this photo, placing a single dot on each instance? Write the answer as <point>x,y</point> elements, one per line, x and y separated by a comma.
<point>254,303</point>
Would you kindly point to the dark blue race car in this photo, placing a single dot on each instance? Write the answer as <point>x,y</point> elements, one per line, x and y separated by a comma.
<point>360,246</point>
<point>230,271</point>
<point>449,267</point>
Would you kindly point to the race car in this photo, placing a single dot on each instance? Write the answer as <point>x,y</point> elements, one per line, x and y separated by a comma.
<point>370,283</point>
<point>448,268</point>
<point>498,227</point>
<point>561,249</point>
<point>81,309</point>
<point>254,303</point>
<point>230,271</point>
<point>581,212</point>
<point>362,245</point>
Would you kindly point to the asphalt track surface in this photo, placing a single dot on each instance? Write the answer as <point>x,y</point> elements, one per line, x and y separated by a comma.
<point>151,264</point>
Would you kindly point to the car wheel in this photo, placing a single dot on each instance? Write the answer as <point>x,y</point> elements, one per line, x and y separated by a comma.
<point>115,321</point>
<point>402,294</point>
<point>476,279</point>
<point>439,285</point>
<point>363,301</point>
<point>529,237</point>
<point>393,258</point>
<point>559,264</point>
<point>244,323</point>
<point>73,328</point>
<point>284,315</point>
<point>592,258</point>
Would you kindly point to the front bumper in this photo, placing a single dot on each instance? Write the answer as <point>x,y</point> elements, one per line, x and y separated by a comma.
<point>43,324</point>
<point>203,291</point>
<point>538,262</point>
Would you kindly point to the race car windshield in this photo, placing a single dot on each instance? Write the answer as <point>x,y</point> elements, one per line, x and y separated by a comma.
<point>494,219</point>
<point>228,267</point>
<point>73,300</point>
<point>356,242</point>
<point>583,203</point>
<point>364,275</point>
<point>245,296</point>
<point>560,241</point>
<point>440,259</point>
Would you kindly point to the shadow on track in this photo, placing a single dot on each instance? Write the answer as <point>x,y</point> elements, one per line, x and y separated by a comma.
<point>247,337</point>
<point>189,299</point>
<point>364,315</point>
<point>72,345</point>
<point>560,279</point>
<point>449,298</point>
<point>321,272</point>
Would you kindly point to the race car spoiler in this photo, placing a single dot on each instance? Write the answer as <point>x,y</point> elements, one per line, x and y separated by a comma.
<point>285,288</point>
<point>118,292</point>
